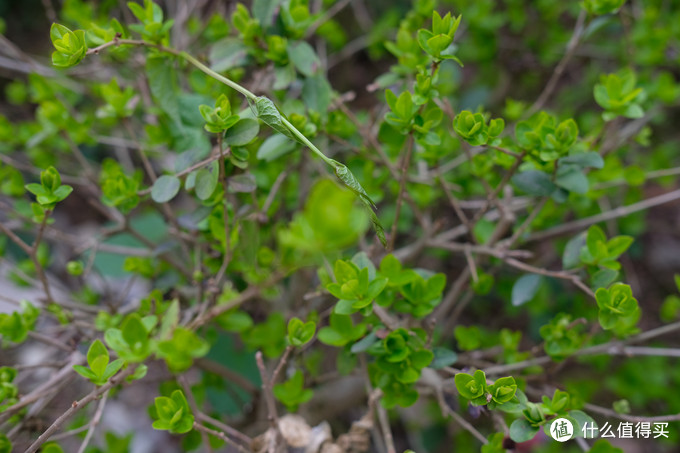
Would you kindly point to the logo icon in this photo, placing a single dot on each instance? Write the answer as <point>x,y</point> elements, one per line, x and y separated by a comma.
<point>561,430</point>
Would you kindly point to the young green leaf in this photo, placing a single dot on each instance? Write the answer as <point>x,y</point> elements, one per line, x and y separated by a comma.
<point>525,288</point>
<point>242,133</point>
<point>165,188</point>
<point>299,332</point>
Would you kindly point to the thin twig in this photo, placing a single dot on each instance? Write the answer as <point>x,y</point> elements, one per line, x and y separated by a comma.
<point>46,388</point>
<point>610,347</point>
<point>386,430</point>
<point>575,279</point>
<point>454,202</point>
<point>559,69</point>
<point>231,376</point>
<point>95,421</point>
<point>621,211</point>
<point>330,12</point>
<point>458,418</point>
<point>224,427</point>
<point>50,341</point>
<point>405,164</point>
<point>273,191</point>
<point>281,364</point>
<point>631,418</point>
<point>272,413</point>
<point>219,435</point>
<point>16,239</point>
<point>76,406</point>
<point>192,405</point>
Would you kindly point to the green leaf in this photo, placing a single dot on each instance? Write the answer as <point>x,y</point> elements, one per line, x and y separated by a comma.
<point>472,387</point>
<point>595,237</point>
<point>503,390</point>
<point>619,244</point>
<point>572,178</point>
<point>207,180</point>
<point>365,343</point>
<point>112,368</point>
<point>227,53</point>
<point>133,330</point>
<point>173,413</point>
<point>331,336</point>
<point>265,10</point>
<point>603,278</point>
<point>304,58</point>
<point>581,419</point>
<point>572,251</point>
<point>85,372</point>
<point>114,338</point>
<point>275,146</point>
<point>496,127</point>
<point>182,348</point>
<point>534,182</point>
<point>583,160</point>
<point>270,115</point>
<point>170,320</point>
<point>58,31</point>
<point>165,188</point>
<point>97,357</point>
<point>51,447</point>
<point>525,289</point>
<point>242,132</point>
<point>316,93</point>
<point>363,261</point>
<point>235,321</point>
<point>299,332</point>
<point>619,310</point>
<point>96,350</point>
<point>164,86</point>
<point>495,444</point>
<point>348,179</point>
<point>443,357</point>
<point>522,431</point>
<point>292,392</point>
<point>139,373</point>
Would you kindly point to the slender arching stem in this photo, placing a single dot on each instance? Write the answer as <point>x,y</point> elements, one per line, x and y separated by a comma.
<point>220,78</point>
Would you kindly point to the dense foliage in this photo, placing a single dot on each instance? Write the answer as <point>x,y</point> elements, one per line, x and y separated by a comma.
<point>420,224</point>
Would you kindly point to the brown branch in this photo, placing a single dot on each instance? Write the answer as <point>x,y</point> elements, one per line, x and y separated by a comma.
<point>93,424</point>
<point>631,418</point>
<point>281,364</point>
<point>621,211</point>
<point>559,69</point>
<point>330,12</point>
<point>446,410</point>
<point>16,239</point>
<point>575,279</point>
<point>272,414</point>
<point>219,435</point>
<point>217,310</point>
<point>75,407</point>
<point>231,376</point>
<point>224,427</point>
<point>610,347</point>
<point>46,388</point>
<point>192,404</point>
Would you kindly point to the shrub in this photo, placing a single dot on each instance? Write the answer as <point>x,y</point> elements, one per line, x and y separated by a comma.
<point>460,224</point>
